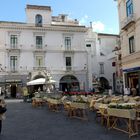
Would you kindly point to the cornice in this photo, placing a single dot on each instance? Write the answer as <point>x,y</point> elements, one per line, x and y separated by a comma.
<point>45,28</point>
<point>131,58</point>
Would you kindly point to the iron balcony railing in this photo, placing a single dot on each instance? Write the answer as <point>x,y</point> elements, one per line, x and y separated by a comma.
<point>128,21</point>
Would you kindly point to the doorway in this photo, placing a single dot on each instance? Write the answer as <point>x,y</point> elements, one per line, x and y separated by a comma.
<point>133,79</point>
<point>13,90</point>
<point>69,83</point>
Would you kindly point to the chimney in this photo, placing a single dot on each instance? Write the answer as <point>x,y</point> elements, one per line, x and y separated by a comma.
<point>90,24</point>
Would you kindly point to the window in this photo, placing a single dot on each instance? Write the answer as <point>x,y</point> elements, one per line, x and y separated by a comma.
<point>101,68</point>
<point>39,42</point>
<point>68,43</point>
<point>102,54</point>
<point>13,41</point>
<point>129,8</point>
<point>63,18</point>
<point>99,39</point>
<point>38,20</point>
<point>113,64</point>
<point>131,45</point>
<point>39,61</point>
<point>88,45</point>
<point>119,57</point>
<point>13,63</point>
<point>68,63</point>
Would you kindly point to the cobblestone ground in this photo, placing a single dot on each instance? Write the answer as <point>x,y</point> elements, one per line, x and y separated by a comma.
<point>26,123</point>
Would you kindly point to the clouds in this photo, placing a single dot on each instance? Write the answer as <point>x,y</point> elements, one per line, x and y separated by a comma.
<point>84,20</point>
<point>98,26</point>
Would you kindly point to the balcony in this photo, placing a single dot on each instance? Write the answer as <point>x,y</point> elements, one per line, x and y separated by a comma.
<point>68,68</point>
<point>14,48</point>
<point>14,70</point>
<point>39,68</point>
<point>128,21</point>
<point>131,58</point>
<point>39,49</point>
<point>68,49</point>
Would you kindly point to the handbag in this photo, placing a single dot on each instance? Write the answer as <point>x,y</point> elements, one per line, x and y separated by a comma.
<point>2,109</point>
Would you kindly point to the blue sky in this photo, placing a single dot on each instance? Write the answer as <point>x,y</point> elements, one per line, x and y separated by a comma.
<point>102,13</point>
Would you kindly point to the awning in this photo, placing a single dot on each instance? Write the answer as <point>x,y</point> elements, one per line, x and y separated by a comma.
<point>39,81</point>
<point>131,69</point>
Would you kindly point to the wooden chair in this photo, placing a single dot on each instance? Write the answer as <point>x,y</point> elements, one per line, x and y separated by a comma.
<point>138,119</point>
<point>104,117</point>
<point>98,115</point>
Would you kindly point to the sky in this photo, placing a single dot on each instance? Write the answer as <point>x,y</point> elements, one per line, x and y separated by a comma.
<point>102,13</point>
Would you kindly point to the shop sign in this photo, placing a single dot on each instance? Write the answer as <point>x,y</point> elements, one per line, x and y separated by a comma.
<point>131,69</point>
<point>13,80</point>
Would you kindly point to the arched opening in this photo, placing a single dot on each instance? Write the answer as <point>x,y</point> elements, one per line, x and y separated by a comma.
<point>38,76</point>
<point>38,20</point>
<point>69,83</point>
<point>104,83</point>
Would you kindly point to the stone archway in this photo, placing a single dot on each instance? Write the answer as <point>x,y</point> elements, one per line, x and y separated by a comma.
<point>69,83</point>
<point>38,76</point>
<point>104,83</point>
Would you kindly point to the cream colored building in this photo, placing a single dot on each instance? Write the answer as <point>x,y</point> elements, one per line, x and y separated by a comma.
<point>129,20</point>
<point>69,51</point>
<point>43,42</point>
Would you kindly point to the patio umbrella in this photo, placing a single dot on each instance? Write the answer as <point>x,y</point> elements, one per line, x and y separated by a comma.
<point>39,81</point>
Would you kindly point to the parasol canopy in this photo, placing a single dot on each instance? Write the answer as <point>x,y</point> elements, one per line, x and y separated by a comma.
<point>39,81</point>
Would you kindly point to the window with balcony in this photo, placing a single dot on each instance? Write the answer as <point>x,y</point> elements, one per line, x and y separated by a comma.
<point>39,42</point>
<point>131,45</point>
<point>39,61</point>
<point>13,41</point>
<point>13,63</point>
<point>38,20</point>
<point>101,68</point>
<point>68,63</point>
<point>68,43</point>
<point>129,8</point>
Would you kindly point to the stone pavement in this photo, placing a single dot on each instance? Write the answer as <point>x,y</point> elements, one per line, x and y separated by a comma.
<point>26,123</point>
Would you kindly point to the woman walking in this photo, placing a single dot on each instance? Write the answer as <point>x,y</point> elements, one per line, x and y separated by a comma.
<point>2,112</point>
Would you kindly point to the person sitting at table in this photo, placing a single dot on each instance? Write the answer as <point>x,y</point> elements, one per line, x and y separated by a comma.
<point>133,91</point>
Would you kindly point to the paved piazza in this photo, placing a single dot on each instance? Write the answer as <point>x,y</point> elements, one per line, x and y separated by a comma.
<point>26,123</point>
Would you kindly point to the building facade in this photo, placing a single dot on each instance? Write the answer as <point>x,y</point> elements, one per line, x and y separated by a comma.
<point>44,43</point>
<point>129,20</point>
<point>73,54</point>
<point>104,62</point>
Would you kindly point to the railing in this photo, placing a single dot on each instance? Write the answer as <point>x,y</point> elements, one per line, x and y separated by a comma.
<point>68,50</point>
<point>39,46</point>
<point>14,70</point>
<point>39,68</point>
<point>13,48</point>
<point>68,68</point>
<point>128,21</point>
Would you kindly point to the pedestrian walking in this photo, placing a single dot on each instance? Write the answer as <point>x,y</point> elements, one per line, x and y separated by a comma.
<point>110,91</point>
<point>137,88</point>
<point>2,112</point>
